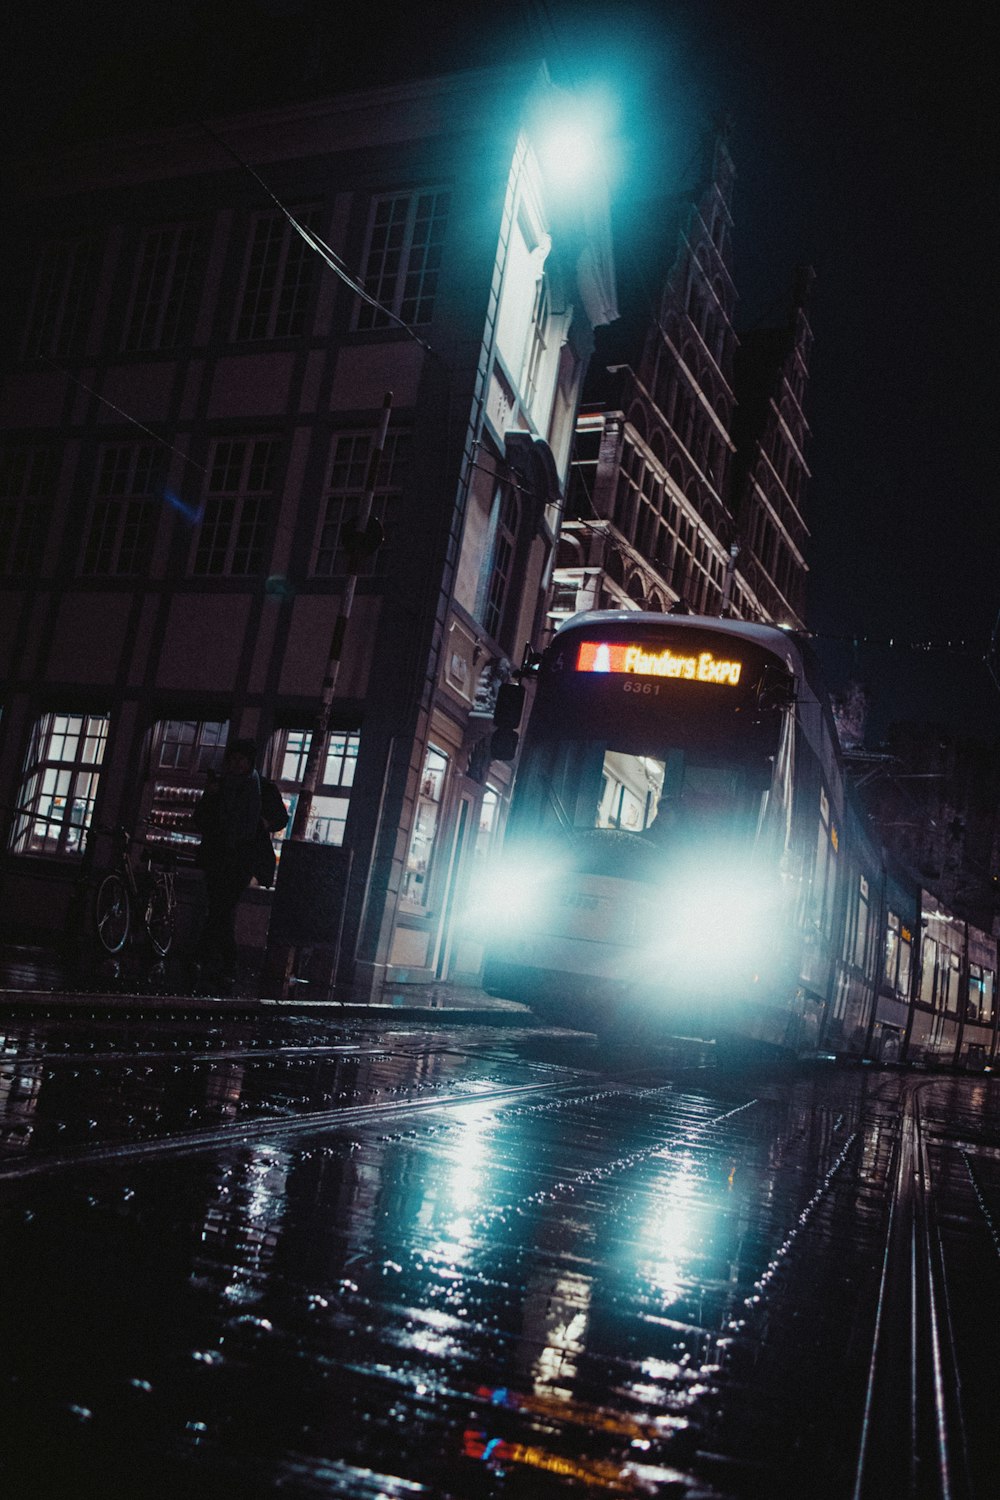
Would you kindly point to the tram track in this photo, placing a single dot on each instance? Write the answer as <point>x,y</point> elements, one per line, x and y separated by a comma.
<point>346,1117</point>
<point>912,1439</point>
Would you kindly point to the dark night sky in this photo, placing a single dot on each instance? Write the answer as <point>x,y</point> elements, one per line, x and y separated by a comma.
<point>863,148</point>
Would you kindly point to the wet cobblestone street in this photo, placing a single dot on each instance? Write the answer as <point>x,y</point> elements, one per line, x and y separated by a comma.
<point>371,1259</point>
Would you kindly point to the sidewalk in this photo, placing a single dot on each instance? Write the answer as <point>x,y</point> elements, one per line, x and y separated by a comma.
<point>37,978</point>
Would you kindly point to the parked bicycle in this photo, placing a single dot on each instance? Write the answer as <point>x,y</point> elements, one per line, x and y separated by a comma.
<point>133,887</point>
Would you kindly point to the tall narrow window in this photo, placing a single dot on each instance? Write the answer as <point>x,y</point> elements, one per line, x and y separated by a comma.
<point>420,859</point>
<point>59,785</point>
<point>164,300</point>
<point>928,968</point>
<point>26,478</point>
<point>286,763</point>
<point>345,490</point>
<point>500,565</point>
<point>62,299</point>
<point>278,277</point>
<point>236,525</point>
<point>825,869</point>
<point>122,523</point>
<point>537,342</point>
<point>403,257</point>
<point>861,923</point>
<point>905,960</point>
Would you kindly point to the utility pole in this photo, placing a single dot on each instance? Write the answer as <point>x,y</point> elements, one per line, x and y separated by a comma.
<point>308,907</point>
<point>365,540</point>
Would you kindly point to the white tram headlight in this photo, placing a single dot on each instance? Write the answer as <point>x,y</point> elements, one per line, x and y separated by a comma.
<point>511,893</point>
<point>717,922</point>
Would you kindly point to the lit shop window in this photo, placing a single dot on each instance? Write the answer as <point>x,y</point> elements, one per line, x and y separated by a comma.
<point>278,277</point>
<point>183,752</point>
<point>286,759</point>
<point>403,257</point>
<point>59,786</point>
<point>425,827</point>
<point>236,524</point>
<point>286,764</point>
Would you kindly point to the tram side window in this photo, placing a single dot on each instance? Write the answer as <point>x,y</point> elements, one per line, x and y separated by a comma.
<point>890,970</point>
<point>905,961</point>
<point>950,977</point>
<point>987,996</point>
<point>928,964</point>
<point>860,924</point>
<point>824,874</point>
<point>974,1006</point>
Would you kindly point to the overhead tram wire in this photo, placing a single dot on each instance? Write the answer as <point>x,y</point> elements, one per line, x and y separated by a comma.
<point>128,417</point>
<point>328,255</point>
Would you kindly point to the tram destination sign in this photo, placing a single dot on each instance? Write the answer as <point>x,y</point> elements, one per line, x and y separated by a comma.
<point>633,659</point>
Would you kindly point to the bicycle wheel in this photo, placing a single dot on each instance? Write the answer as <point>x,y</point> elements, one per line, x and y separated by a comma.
<point>160,917</point>
<point>111,913</point>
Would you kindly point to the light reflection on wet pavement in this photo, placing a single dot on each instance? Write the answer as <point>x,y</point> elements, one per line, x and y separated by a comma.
<point>627,1281</point>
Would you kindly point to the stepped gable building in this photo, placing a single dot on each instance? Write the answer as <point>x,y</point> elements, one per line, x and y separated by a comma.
<point>192,384</point>
<point>689,464</point>
<point>770,471</point>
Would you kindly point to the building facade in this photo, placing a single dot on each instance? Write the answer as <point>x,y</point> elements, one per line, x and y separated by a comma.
<point>690,461</point>
<point>204,328</point>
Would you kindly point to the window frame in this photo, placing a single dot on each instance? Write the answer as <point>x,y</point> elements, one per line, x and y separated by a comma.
<point>389,269</point>
<point>342,501</point>
<point>59,779</point>
<point>166,287</point>
<point>122,522</point>
<point>248,528</point>
<point>27,486</point>
<point>286,753</point>
<point>173,793</point>
<point>279,310</point>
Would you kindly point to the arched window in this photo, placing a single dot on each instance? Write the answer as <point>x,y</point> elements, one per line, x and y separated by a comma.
<point>636,589</point>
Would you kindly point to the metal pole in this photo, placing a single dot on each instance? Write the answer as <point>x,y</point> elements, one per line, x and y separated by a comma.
<point>317,744</point>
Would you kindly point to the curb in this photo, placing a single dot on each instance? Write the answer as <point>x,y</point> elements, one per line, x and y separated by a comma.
<point>502,1012</point>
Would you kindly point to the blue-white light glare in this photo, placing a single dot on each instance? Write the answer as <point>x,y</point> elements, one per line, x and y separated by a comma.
<point>513,891</point>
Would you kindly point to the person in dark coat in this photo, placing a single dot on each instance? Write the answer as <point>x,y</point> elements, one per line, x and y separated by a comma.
<point>228,817</point>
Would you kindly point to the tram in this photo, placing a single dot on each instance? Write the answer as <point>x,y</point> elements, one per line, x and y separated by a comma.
<point>683,850</point>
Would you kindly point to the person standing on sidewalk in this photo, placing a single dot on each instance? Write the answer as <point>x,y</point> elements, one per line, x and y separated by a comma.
<point>228,817</point>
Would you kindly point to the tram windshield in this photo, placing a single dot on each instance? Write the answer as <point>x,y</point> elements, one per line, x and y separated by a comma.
<point>670,796</point>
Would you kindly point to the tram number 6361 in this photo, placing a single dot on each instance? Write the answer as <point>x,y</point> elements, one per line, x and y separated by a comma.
<point>641,687</point>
